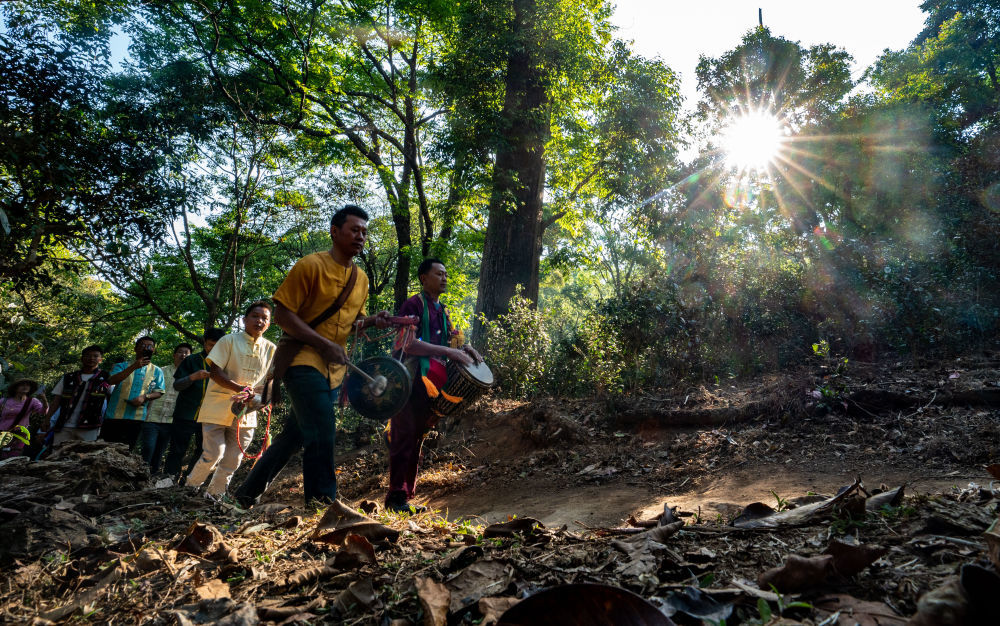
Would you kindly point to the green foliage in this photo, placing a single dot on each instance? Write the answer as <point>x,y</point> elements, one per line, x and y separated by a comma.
<point>20,433</point>
<point>163,197</point>
<point>517,346</point>
<point>46,325</point>
<point>74,171</point>
<point>780,504</point>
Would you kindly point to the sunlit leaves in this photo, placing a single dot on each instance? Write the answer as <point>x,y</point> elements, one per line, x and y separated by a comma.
<point>73,168</point>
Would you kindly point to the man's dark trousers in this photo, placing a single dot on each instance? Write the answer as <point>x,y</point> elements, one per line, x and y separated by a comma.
<point>312,425</point>
<point>181,432</point>
<point>153,441</point>
<point>122,431</point>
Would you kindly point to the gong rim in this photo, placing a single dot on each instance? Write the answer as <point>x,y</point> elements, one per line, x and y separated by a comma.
<point>397,391</point>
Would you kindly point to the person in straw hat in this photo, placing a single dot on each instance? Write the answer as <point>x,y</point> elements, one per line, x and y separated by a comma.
<point>16,408</point>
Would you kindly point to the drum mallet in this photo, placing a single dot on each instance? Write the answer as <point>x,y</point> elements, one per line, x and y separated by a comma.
<point>375,385</point>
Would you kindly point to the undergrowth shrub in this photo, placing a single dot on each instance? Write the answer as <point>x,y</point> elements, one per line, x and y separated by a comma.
<point>517,348</point>
<point>587,360</point>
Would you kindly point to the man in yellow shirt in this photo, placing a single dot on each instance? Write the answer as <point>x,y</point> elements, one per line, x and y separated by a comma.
<point>315,373</point>
<point>239,365</point>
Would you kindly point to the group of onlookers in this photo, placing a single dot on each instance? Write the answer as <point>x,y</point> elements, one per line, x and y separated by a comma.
<point>157,410</point>
<point>213,394</point>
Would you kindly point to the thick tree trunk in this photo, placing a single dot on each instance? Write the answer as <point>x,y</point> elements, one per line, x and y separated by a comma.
<point>513,231</point>
<point>401,221</point>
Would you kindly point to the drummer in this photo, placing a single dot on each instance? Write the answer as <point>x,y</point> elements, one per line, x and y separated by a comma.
<point>433,341</point>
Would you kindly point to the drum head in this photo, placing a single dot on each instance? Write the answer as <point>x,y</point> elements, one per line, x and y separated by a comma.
<point>479,373</point>
<point>397,389</point>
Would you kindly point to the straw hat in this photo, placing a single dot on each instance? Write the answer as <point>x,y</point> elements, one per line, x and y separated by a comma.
<point>32,386</point>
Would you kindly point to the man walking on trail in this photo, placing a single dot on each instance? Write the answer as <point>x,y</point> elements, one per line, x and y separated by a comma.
<point>137,384</point>
<point>316,306</point>
<point>435,341</point>
<point>190,382</point>
<point>156,431</point>
<point>81,399</point>
<point>238,366</point>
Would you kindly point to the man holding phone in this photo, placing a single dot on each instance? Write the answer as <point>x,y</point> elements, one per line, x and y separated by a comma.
<point>136,385</point>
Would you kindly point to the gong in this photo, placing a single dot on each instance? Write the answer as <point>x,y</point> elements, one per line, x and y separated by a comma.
<point>390,401</point>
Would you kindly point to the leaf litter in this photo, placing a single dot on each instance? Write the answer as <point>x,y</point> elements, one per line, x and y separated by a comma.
<point>89,536</point>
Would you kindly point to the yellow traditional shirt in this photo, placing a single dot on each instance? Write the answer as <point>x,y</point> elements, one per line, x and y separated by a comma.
<point>243,359</point>
<point>311,286</point>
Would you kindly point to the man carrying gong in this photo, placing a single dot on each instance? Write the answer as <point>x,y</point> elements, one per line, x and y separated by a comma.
<point>320,300</point>
<point>431,344</point>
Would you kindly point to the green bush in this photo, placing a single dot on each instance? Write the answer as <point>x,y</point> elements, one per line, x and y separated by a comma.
<point>517,348</point>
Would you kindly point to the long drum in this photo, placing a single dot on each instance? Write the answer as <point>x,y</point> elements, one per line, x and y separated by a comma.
<point>468,382</point>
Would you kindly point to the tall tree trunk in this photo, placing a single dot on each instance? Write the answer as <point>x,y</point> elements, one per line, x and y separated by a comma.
<point>513,232</point>
<point>401,221</point>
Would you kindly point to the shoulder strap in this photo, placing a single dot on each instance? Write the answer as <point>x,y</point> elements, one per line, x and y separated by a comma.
<point>24,410</point>
<point>341,299</point>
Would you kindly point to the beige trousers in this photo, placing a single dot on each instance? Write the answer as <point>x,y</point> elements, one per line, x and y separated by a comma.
<point>75,434</point>
<point>220,451</point>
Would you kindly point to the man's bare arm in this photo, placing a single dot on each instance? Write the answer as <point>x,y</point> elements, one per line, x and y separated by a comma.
<point>422,348</point>
<point>133,366</point>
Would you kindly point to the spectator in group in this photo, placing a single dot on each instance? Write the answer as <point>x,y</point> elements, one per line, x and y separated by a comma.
<point>16,409</point>
<point>156,431</point>
<point>81,399</point>
<point>137,384</point>
<point>190,381</point>
<point>238,364</point>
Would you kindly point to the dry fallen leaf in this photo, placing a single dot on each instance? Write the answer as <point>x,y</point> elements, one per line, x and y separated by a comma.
<point>277,613</point>
<point>857,612</point>
<point>206,541</point>
<point>435,599</point>
<point>658,534</point>
<point>585,603</point>
<point>359,595</point>
<point>850,559</point>
<point>308,575</point>
<point>113,575</point>
<point>526,525</point>
<point>992,538</point>
<point>482,578</point>
<point>212,590</point>
<point>947,604</point>
<point>798,573</point>
<point>357,551</point>
<point>493,608</point>
<point>341,520</point>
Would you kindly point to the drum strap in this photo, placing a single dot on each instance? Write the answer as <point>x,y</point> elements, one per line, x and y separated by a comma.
<point>425,335</point>
<point>425,330</point>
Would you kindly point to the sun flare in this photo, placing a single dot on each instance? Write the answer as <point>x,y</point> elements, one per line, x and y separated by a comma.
<point>752,140</point>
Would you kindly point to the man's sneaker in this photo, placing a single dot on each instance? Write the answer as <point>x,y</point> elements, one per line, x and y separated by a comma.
<point>405,507</point>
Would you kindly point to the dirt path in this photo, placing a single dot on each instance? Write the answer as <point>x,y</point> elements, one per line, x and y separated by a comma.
<point>611,504</point>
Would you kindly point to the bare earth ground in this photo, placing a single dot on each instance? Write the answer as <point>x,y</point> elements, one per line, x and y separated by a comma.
<point>105,546</point>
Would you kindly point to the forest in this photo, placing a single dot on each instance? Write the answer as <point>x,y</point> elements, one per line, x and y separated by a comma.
<point>803,254</point>
<point>205,163</point>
